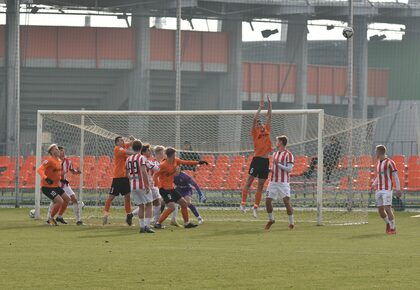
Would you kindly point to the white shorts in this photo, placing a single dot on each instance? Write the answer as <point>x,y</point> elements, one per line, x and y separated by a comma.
<point>141,196</point>
<point>278,189</point>
<point>67,189</point>
<point>155,193</point>
<point>383,197</point>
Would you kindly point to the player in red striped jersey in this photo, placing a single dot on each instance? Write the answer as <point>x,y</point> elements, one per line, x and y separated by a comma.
<point>140,187</point>
<point>152,166</point>
<point>66,167</point>
<point>279,185</point>
<point>385,170</point>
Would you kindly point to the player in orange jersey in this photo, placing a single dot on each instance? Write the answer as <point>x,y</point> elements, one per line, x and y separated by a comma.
<point>66,167</point>
<point>50,172</point>
<point>120,182</point>
<point>259,167</point>
<point>165,178</point>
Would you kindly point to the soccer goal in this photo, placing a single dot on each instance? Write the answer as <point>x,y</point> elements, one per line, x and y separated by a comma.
<point>324,187</point>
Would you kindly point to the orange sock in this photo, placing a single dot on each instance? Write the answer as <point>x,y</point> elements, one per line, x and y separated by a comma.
<point>127,206</point>
<point>62,208</point>
<point>244,196</point>
<point>184,211</point>
<point>107,206</point>
<point>55,209</point>
<point>165,214</point>
<point>257,199</point>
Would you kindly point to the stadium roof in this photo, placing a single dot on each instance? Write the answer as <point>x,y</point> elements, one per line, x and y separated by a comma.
<point>387,12</point>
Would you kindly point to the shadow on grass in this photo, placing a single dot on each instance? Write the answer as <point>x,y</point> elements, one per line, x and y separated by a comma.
<point>367,236</point>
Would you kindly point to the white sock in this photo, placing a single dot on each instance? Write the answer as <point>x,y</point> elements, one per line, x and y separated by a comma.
<point>270,216</point>
<point>135,212</point>
<point>291,220</point>
<point>386,220</point>
<point>147,222</point>
<point>141,223</point>
<point>76,211</point>
<point>156,213</point>
<point>174,213</point>
<point>392,224</point>
<point>50,207</point>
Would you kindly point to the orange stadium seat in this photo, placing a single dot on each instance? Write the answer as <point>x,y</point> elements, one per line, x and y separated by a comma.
<point>344,162</point>
<point>208,158</point>
<point>4,160</point>
<point>399,159</point>
<point>413,182</point>
<point>364,180</point>
<point>301,165</point>
<point>238,160</point>
<point>364,161</point>
<point>104,159</point>
<point>413,179</point>
<point>344,183</point>
<point>223,159</point>
<point>413,162</point>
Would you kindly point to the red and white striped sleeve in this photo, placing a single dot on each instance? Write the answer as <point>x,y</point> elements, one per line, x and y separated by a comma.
<point>392,165</point>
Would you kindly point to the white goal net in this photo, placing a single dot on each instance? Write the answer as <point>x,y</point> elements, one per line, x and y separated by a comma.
<point>325,189</point>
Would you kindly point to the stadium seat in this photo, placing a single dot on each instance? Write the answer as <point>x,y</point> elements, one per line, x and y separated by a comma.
<point>413,182</point>
<point>344,183</point>
<point>364,161</point>
<point>223,159</point>
<point>413,162</point>
<point>399,159</point>
<point>344,162</point>
<point>364,180</point>
<point>104,159</point>
<point>4,160</point>
<point>238,160</point>
<point>301,165</point>
<point>208,158</point>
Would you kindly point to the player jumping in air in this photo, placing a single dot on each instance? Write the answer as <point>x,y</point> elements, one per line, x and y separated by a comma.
<point>279,185</point>
<point>120,182</point>
<point>140,187</point>
<point>165,178</point>
<point>183,183</point>
<point>259,167</point>
<point>50,172</point>
<point>66,167</point>
<point>385,169</point>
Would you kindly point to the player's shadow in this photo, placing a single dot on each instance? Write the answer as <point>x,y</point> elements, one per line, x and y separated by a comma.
<point>366,236</point>
<point>99,232</point>
<point>236,232</point>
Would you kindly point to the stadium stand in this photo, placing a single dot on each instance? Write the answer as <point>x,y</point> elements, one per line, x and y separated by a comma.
<point>226,173</point>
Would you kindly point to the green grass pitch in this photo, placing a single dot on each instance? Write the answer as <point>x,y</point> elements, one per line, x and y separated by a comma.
<point>216,255</point>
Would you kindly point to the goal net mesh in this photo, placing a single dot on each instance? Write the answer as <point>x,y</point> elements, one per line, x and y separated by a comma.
<point>223,139</point>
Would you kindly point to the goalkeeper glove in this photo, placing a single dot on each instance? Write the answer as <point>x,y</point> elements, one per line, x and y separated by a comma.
<point>49,180</point>
<point>203,199</point>
<point>201,162</point>
<point>64,181</point>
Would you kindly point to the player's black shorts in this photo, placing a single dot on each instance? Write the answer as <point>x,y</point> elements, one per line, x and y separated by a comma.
<point>170,195</point>
<point>120,186</point>
<point>259,167</point>
<point>52,192</point>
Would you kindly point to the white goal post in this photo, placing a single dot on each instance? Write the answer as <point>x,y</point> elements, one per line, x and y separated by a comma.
<point>88,135</point>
